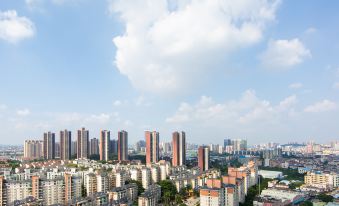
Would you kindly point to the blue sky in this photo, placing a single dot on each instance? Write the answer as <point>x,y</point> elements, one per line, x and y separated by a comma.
<point>255,69</point>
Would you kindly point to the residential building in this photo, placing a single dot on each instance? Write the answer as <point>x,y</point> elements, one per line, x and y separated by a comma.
<point>105,139</point>
<point>33,149</point>
<point>179,148</point>
<point>65,144</point>
<point>122,145</point>
<point>203,158</point>
<point>83,144</point>
<point>49,145</point>
<point>152,147</point>
<point>94,147</point>
<point>72,187</point>
<point>146,176</point>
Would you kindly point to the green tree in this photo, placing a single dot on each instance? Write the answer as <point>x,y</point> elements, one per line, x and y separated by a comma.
<point>142,158</point>
<point>196,193</point>
<point>178,199</point>
<point>94,157</point>
<point>167,187</point>
<point>183,192</point>
<point>167,198</point>
<point>294,185</point>
<point>253,191</point>
<point>306,203</point>
<point>140,188</point>
<point>325,198</point>
<point>73,157</point>
<point>83,191</point>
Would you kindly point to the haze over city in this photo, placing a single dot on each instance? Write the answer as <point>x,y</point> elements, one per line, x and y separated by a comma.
<point>256,70</point>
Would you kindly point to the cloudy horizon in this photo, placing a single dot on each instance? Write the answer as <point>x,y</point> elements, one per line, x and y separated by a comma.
<point>262,70</point>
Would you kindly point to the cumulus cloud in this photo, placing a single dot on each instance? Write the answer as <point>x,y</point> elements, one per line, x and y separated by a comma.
<point>284,54</point>
<point>169,45</point>
<point>34,4</point>
<point>336,85</point>
<point>296,85</point>
<point>42,5</point>
<point>101,118</point>
<point>310,30</point>
<point>117,103</point>
<point>23,112</point>
<point>322,106</point>
<point>14,28</point>
<point>3,107</point>
<point>249,108</point>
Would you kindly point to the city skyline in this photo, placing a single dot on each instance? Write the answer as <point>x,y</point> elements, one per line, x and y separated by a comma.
<point>257,71</point>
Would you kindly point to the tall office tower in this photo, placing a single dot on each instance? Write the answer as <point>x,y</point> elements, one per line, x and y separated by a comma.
<point>203,158</point>
<point>227,142</point>
<point>239,144</point>
<point>122,145</point>
<point>33,149</point>
<point>83,143</point>
<point>152,147</point>
<point>179,148</point>
<point>105,139</point>
<point>65,144</point>
<point>113,147</point>
<point>94,147</point>
<point>49,145</point>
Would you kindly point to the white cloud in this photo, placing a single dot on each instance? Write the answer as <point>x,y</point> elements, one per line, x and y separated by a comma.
<point>248,109</point>
<point>3,107</point>
<point>143,101</point>
<point>310,30</point>
<point>168,49</point>
<point>14,28</point>
<point>34,4</point>
<point>336,85</point>
<point>323,106</point>
<point>101,118</point>
<point>117,103</point>
<point>284,54</point>
<point>23,112</point>
<point>296,85</point>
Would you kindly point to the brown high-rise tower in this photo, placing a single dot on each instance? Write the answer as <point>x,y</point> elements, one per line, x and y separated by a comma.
<point>179,148</point>
<point>65,144</point>
<point>122,145</point>
<point>203,158</point>
<point>83,143</point>
<point>152,147</point>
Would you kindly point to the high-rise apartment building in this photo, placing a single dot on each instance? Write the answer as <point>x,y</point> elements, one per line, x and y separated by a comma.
<point>122,145</point>
<point>49,145</point>
<point>152,147</point>
<point>65,144</point>
<point>83,143</point>
<point>179,148</point>
<point>2,191</point>
<point>74,148</point>
<point>203,158</point>
<point>33,149</point>
<point>113,147</point>
<point>57,150</point>
<point>227,142</point>
<point>239,144</point>
<point>105,139</point>
<point>72,187</point>
<point>94,147</point>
